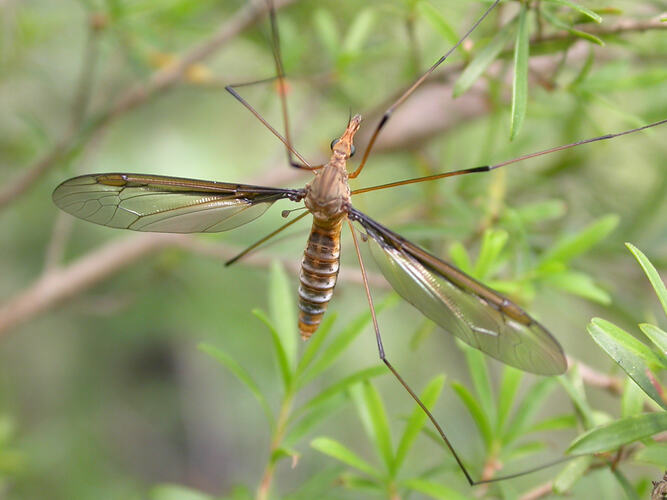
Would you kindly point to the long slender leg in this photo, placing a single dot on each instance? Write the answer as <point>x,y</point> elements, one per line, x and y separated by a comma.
<point>486,168</point>
<point>264,239</point>
<point>280,76</point>
<point>384,359</point>
<point>387,114</point>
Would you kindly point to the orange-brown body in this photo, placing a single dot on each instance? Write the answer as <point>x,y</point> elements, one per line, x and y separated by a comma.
<point>327,198</point>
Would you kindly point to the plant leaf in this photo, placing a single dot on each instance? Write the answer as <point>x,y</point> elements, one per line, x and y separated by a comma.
<point>417,420</point>
<point>571,246</point>
<point>176,492</point>
<point>493,242</point>
<point>481,379</point>
<point>314,343</point>
<point>578,283</point>
<point>281,355</point>
<point>476,412</point>
<point>379,423</point>
<point>520,85</point>
<point>528,408</point>
<point>571,473</point>
<point>340,386</point>
<point>651,274</point>
<point>434,490</point>
<point>241,374</point>
<point>282,311</point>
<point>633,356</point>
<point>618,433</point>
<point>579,8</point>
<point>483,59</point>
<point>657,335</point>
<point>508,388</point>
<point>343,341</point>
<point>438,21</point>
<point>358,31</point>
<point>343,454</point>
<point>655,454</point>
<point>316,416</point>
<point>630,492</point>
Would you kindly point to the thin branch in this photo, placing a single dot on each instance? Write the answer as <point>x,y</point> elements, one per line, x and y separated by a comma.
<point>160,81</point>
<point>60,284</point>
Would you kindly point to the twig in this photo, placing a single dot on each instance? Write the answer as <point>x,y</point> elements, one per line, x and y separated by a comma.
<point>60,284</point>
<point>541,491</point>
<point>161,80</point>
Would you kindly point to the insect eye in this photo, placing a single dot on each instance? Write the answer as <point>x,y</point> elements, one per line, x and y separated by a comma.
<point>333,143</point>
<point>352,150</point>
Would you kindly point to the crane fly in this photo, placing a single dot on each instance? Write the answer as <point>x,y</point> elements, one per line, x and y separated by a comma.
<point>459,304</point>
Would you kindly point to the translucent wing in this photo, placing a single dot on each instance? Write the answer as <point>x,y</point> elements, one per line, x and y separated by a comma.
<point>464,307</point>
<point>165,204</point>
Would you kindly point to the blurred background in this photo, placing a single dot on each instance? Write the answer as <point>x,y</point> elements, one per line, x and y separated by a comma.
<point>103,392</point>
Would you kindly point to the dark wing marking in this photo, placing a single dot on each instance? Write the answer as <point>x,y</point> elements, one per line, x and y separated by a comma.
<point>461,305</point>
<point>165,204</point>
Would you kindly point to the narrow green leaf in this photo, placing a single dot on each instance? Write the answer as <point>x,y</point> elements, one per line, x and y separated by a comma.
<point>417,420</point>
<point>241,374</point>
<point>573,31</point>
<point>571,246</point>
<point>554,423</point>
<point>571,473</point>
<point>316,415</point>
<point>358,31</point>
<point>632,401</point>
<point>483,59</point>
<point>340,386</point>
<point>628,489</point>
<point>574,386</point>
<point>540,211</point>
<point>528,408</point>
<point>281,355</point>
<point>343,341</point>
<point>434,490</point>
<point>355,482</point>
<point>476,412</point>
<point>655,454</point>
<point>651,274</point>
<point>282,310</point>
<point>479,373</point>
<point>327,31</point>
<point>284,452</point>
<point>176,492</point>
<point>460,257</point>
<point>633,356</point>
<point>624,431</point>
<point>657,335</point>
<point>493,242</point>
<point>379,423</point>
<point>426,328</point>
<point>343,454</point>
<point>314,343</point>
<point>437,21</point>
<point>579,8</point>
<point>509,386</point>
<point>578,283</point>
<point>520,84</point>
<point>523,450</point>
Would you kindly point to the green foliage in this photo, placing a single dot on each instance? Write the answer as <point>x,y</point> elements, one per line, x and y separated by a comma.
<point>104,393</point>
<point>292,422</point>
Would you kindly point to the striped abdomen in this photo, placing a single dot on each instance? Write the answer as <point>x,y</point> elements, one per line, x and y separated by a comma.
<point>319,271</point>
